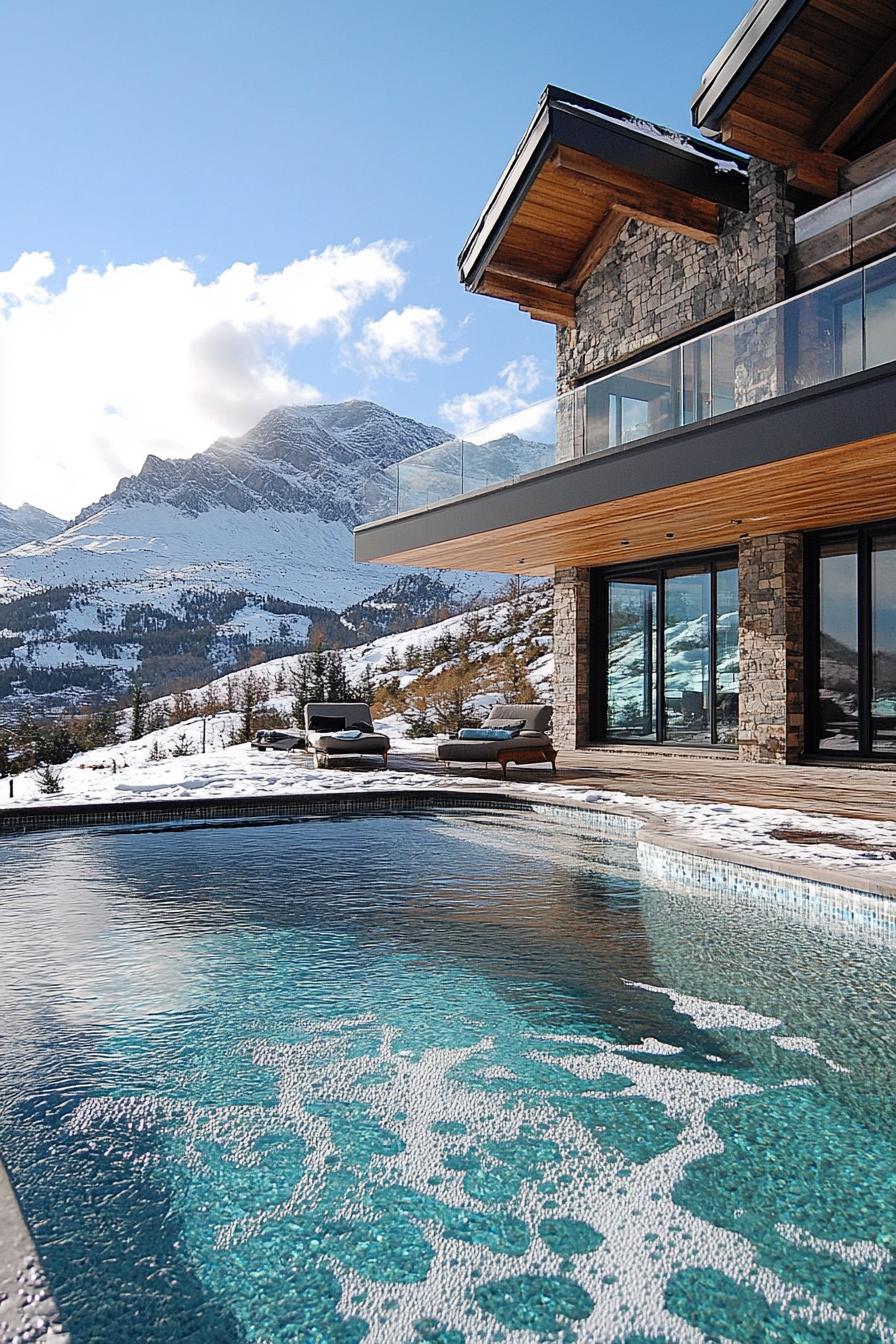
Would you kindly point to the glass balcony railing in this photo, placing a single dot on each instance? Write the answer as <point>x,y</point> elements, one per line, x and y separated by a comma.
<point>839,328</point>
<point>515,445</point>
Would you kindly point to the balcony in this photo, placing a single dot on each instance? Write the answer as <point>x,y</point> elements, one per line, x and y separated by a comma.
<point>841,328</point>
<point>809,374</point>
<point>515,445</point>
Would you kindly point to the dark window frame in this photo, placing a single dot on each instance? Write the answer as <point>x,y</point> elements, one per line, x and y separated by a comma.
<point>863,535</point>
<point>655,569</point>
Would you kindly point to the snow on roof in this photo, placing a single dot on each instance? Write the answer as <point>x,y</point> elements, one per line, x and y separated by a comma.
<point>686,143</point>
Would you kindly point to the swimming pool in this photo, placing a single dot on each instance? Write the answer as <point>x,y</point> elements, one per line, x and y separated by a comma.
<point>438,1077</point>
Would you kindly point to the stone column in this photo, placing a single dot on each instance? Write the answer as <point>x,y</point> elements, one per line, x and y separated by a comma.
<point>771,648</point>
<point>572,653</point>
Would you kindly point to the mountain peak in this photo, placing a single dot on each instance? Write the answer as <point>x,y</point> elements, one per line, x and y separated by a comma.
<point>26,523</point>
<point>298,459</point>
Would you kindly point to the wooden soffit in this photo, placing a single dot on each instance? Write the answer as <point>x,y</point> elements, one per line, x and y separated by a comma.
<point>799,81</point>
<point>794,463</point>
<point>581,172</point>
<point>838,486</point>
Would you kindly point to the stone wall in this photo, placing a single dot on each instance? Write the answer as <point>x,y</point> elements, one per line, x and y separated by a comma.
<point>771,648</point>
<point>572,634</point>
<point>655,285</point>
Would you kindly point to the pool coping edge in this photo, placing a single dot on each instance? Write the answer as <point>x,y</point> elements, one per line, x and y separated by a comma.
<point>28,1309</point>
<point>651,831</point>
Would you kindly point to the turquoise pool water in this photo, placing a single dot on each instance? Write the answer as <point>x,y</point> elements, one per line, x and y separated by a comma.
<point>440,1078</point>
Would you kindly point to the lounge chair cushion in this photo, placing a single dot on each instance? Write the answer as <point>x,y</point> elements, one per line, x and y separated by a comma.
<point>485,735</point>
<point>535,718</point>
<point>365,744</point>
<point>326,723</point>
<point>456,750</point>
<point>349,714</point>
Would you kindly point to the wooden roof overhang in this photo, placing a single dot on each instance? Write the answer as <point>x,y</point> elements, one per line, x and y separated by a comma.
<point>580,172</point>
<point>792,464</point>
<point>798,81</point>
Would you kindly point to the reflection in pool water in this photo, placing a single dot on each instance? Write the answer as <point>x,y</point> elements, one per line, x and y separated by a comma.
<point>438,1078</point>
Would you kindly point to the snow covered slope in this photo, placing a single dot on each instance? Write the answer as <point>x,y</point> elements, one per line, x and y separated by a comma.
<point>26,524</point>
<point>188,565</point>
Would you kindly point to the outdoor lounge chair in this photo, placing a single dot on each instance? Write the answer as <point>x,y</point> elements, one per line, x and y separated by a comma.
<point>529,746</point>
<point>324,740</point>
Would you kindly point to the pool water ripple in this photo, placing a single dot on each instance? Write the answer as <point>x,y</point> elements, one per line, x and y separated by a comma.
<point>450,1079</point>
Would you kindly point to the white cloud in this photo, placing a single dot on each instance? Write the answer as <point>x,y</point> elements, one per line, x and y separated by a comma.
<point>388,342</point>
<point>147,358</point>
<point>471,410</point>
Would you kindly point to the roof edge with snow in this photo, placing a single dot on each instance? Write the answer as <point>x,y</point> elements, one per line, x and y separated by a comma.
<point>640,149</point>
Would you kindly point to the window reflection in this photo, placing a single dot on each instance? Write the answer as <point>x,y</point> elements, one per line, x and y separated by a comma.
<point>631,660</point>
<point>672,645</point>
<point>686,699</point>
<point>883,643</point>
<point>880,313</point>
<point>727,655</point>
<point>838,647</point>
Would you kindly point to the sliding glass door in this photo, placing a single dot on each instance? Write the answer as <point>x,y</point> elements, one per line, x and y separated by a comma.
<point>882,631</point>
<point>667,650</point>
<point>852,663</point>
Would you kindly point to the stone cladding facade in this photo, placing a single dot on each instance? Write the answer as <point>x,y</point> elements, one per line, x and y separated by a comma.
<point>572,655</point>
<point>654,287</point>
<point>771,648</point>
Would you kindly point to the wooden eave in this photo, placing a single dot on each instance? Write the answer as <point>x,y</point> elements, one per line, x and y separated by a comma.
<point>798,81</point>
<point>581,172</point>
<point>838,485</point>
<point>813,458</point>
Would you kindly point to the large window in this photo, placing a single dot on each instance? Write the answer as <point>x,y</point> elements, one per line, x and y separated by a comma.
<point>852,613</point>
<point>667,650</point>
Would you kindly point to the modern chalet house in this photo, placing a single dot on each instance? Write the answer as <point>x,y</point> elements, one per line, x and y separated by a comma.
<point>713,488</point>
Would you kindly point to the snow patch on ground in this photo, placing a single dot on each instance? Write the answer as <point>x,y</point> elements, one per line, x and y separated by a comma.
<point>128,771</point>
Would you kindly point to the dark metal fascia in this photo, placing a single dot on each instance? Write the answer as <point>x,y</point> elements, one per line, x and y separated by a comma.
<point>788,427</point>
<point>689,167</point>
<point>506,198</point>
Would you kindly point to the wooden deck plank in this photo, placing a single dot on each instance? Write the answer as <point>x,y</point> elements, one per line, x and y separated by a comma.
<point>834,790</point>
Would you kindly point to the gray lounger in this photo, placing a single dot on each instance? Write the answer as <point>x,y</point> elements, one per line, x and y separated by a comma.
<point>323,745</point>
<point>531,745</point>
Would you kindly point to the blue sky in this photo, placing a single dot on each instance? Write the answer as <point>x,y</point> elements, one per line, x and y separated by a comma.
<point>215,133</point>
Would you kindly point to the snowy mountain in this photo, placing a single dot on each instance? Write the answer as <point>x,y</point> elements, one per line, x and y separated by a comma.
<point>26,524</point>
<point>297,459</point>
<point>188,566</point>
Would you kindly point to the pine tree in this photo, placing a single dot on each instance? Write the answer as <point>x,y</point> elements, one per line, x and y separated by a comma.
<point>138,708</point>
<point>317,676</point>
<point>365,688</point>
<point>339,686</point>
<point>251,696</point>
<point>48,780</point>
<point>298,679</point>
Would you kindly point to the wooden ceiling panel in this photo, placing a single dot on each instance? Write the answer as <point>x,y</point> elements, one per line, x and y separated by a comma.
<point>850,483</point>
<point>581,171</point>
<point>824,79</point>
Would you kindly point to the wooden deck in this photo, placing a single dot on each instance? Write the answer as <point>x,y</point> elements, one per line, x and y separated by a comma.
<point>706,777</point>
